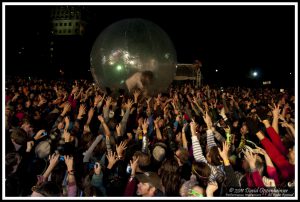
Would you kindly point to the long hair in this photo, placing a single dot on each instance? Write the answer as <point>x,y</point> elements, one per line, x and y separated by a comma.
<point>202,172</point>
<point>170,176</point>
<point>215,157</point>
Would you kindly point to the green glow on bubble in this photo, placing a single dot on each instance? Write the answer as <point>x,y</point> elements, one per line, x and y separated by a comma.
<point>119,67</point>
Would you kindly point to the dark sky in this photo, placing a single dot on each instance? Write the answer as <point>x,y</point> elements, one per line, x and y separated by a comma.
<point>233,39</point>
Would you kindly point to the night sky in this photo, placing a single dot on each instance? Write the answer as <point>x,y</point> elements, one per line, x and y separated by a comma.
<point>233,39</point>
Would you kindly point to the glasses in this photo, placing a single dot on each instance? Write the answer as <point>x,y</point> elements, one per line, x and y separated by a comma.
<point>194,193</point>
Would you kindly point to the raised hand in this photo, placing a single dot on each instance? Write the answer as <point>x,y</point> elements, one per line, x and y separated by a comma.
<point>81,112</point>
<point>118,129</point>
<point>121,148</point>
<point>251,158</point>
<point>67,108</point>
<point>224,152</point>
<point>148,100</point>
<point>193,126</point>
<point>53,160</point>
<point>129,104</point>
<point>136,94</point>
<point>69,162</point>
<point>42,101</point>
<point>194,100</point>
<point>207,120</point>
<point>184,127</point>
<point>145,126</point>
<point>39,134</point>
<point>276,112</point>
<point>66,136</point>
<point>133,165</point>
<point>112,159</point>
<point>260,150</point>
<point>74,90</point>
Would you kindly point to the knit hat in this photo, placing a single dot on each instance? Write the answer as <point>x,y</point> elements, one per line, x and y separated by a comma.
<point>186,117</point>
<point>151,178</point>
<point>43,149</point>
<point>159,152</point>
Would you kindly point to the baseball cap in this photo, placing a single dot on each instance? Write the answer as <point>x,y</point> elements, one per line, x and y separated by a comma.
<point>151,178</point>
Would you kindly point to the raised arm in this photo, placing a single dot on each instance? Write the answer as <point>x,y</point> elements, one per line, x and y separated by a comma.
<point>276,113</point>
<point>251,159</point>
<point>88,153</point>
<point>52,163</point>
<point>231,178</point>
<point>72,188</point>
<point>125,117</point>
<point>183,136</point>
<point>157,130</point>
<point>197,151</point>
<point>105,127</point>
<point>210,137</point>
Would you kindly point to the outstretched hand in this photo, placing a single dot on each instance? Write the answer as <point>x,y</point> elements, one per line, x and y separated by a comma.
<point>224,152</point>
<point>121,148</point>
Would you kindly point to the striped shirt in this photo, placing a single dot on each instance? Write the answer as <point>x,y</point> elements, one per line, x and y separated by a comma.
<point>217,172</point>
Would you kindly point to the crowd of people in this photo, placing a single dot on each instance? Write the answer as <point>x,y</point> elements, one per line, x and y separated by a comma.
<point>71,138</point>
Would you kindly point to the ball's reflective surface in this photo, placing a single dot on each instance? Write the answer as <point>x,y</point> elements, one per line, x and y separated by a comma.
<point>133,53</point>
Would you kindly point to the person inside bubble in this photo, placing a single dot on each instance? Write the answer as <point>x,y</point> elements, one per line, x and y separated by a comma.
<point>140,80</point>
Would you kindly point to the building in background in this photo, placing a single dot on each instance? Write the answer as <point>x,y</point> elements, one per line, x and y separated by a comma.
<point>68,20</point>
<point>67,41</point>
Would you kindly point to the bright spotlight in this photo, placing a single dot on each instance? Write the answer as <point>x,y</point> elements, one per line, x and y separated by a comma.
<point>217,70</point>
<point>119,67</point>
<point>254,74</point>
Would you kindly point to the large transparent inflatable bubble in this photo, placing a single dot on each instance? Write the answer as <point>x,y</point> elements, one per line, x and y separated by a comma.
<point>133,54</point>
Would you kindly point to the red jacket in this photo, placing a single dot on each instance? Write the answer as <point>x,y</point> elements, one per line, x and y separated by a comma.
<point>287,170</point>
<point>276,140</point>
